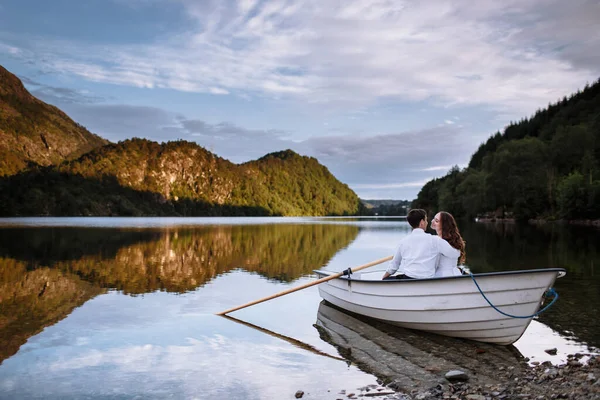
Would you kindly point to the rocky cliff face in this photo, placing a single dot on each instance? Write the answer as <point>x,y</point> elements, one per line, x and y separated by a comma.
<point>282,183</point>
<point>32,131</point>
<point>175,170</point>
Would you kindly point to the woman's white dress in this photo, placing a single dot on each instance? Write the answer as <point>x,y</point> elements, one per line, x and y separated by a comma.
<point>446,266</point>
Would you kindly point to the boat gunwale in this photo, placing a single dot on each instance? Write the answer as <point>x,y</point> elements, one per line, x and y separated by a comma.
<point>560,273</point>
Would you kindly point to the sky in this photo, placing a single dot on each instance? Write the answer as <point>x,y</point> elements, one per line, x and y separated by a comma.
<point>386,94</point>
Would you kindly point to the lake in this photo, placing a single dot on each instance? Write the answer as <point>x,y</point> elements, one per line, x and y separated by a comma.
<point>125,307</point>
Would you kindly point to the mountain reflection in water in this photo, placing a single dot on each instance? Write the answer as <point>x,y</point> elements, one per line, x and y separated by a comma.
<point>47,272</point>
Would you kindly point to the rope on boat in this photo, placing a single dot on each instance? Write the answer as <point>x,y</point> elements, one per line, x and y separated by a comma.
<point>549,292</point>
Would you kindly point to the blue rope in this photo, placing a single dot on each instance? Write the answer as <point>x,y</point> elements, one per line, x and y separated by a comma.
<point>549,292</point>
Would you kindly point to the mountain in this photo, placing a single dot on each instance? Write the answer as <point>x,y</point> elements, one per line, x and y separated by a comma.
<point>546,166</point>
<point>383,202</point>
<point>32,131</point>
<point>50,165</point>
<point>140,177</point>
<point>385,207</point>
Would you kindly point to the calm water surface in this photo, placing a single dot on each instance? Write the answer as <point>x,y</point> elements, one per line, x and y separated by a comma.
<point>125,307</point>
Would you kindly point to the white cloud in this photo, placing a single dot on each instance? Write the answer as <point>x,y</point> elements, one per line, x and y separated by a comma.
<point>503,54</point>
<point>438,168</point>
<point>4,48</point>
<point>389,185</point>
<point>215,90</point>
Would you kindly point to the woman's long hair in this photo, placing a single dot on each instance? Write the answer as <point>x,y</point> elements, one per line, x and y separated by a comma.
<point>451,234</point>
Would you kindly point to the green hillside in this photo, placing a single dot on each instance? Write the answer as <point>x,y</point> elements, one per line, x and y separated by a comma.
<point>546,166</point>
<point>139,177</point>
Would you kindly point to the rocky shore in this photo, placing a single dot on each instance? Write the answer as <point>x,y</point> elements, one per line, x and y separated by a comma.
<point>572,380</point>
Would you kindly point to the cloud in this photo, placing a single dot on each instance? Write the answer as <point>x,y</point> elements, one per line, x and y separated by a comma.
<point>391,165</point>
<point>233,142</point>
<point>227,131</point>
<point>62,95</point>
<point>500,54</point>
<point>438,168</point>
<point>12,50</point>
<point>390,185</point>
<point>119,121</point>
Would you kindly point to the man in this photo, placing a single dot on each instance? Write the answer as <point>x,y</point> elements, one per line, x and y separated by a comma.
<point>418,252</point>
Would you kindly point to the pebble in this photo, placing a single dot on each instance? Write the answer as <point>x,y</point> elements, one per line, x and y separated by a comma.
<point>475,397</point>
<point>590,377</point>
<point>456,375</point>
<point>299,394</point>
<point>552,351</point>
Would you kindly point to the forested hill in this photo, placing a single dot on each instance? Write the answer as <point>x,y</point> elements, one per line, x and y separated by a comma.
<point>32,131</point>
<point>140,177</point>
<point>546,166</point>
<point>50,165</point>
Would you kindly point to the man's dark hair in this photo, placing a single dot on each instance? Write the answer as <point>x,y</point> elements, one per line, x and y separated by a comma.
<point>415,216</point>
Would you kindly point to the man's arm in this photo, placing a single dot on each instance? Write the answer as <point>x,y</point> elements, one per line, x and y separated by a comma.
<point>445,248</point>
<point>394,264</point>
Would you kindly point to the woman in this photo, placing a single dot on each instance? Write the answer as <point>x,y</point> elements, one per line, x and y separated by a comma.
<point>445,226</point>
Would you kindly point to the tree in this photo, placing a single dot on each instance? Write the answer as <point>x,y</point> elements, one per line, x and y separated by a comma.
<point>472,192</point>
<point>518,175</point>
<point>572,196</point>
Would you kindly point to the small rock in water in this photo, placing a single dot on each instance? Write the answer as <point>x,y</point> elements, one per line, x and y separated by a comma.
<point>456,375</point>
<point>382,393</point>
<point>299,394</point>
<point>552,351</point>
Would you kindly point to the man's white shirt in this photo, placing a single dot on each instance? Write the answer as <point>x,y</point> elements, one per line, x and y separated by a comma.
<point>417,254</point>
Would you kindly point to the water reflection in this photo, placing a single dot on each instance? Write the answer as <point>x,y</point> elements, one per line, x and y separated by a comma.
<point>140,302</point>
<point>153,347</point>
<point>176,260</point>
<point>46,272</point>
<point>33,299</point>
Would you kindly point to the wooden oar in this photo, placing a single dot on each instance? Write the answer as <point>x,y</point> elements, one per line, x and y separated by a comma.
<point>327,278</point>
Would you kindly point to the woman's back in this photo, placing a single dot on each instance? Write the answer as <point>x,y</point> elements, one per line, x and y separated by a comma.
<point>446,266</point>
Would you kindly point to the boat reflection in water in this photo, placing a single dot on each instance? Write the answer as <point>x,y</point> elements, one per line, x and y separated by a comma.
<point>410,359</point>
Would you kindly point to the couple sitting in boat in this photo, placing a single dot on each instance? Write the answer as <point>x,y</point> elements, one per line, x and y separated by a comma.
<point>421,255</point>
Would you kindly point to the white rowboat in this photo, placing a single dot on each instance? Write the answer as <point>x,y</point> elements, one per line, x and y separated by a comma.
<point>450,306</point>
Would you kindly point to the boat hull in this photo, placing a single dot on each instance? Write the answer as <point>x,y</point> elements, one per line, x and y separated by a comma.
<point>451,306</point>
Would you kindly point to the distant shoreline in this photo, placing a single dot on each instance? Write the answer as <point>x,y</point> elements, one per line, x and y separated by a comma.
<point>581,222</point>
